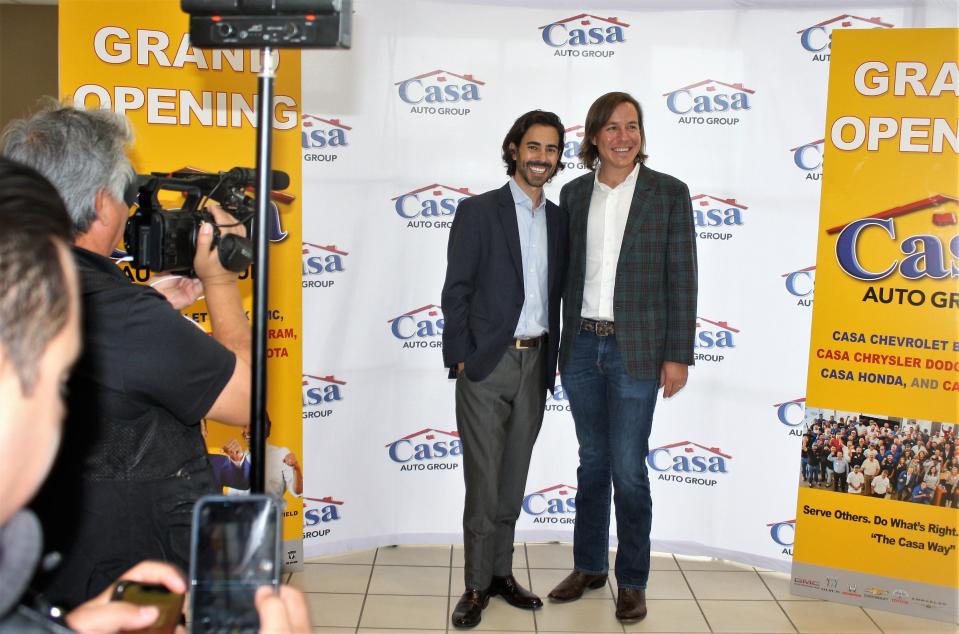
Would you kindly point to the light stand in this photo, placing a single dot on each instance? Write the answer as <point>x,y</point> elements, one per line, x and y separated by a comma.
<point>265,25</point>
<point>261,269</point>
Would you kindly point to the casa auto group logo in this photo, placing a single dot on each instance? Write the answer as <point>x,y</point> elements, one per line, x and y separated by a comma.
<point>322,264</point>
<point>552,505</point>
<point>572,145</point>
<point>791,414</point>
<point>709,102</point>
<point>430,207</point>
<point>419,328</point>
<point>808,158</point>
<point>688,462</point>
<point>427,450</point>
<point>783,535</point>
<point>320,515</point>
<point>716,218</point>
<point>584,35</point>
<point>321,394</point>
<point>713,339</point>
<point>440,92</point>
<point>557,400</point>
<point>322,139</point>
<point>817,39</point>
<point>800,284</point>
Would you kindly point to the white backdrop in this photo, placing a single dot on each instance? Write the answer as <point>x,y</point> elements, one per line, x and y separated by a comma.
<point>400,128</point>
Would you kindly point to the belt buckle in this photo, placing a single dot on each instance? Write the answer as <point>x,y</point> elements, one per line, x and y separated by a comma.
<point>518,344</point>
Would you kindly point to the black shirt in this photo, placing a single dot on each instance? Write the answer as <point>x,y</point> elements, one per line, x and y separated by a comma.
<point>132,460</point>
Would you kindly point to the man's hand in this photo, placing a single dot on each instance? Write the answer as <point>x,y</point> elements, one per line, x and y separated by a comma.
<point>283,612</point>
<point>100,615</point>
<point>460,368</point>
<point>672,377</point>
<point>233,450</point>
<point>290,459</point>
<point>206,263</point>
<point>179,291</point>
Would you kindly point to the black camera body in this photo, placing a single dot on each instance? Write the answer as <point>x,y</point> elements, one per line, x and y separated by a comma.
<point>163,240</point>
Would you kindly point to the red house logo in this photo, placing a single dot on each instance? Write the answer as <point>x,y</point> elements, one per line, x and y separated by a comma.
<point>580,32</point>
<point>432,206</point>
<point>709,97</point>
<point>439,88</point>
<point>818,37</point>
<point>552,505</point>
<point>318,133</point>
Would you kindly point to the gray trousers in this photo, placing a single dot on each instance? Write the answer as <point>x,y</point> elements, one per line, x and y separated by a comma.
<point>498,420</point>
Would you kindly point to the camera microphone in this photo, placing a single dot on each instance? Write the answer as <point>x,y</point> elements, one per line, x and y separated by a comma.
<point>246,177</point>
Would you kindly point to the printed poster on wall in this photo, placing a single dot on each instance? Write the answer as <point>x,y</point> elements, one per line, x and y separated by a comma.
<point>197,108</point>
<point>877,510</point>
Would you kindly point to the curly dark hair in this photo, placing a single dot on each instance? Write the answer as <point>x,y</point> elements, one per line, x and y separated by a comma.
<point>599,113</point>
<point>515,135</point>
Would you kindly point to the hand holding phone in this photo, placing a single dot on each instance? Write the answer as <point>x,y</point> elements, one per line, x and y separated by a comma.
<point>105,614</point>
<point>235,550</point>
<point>169,604</point>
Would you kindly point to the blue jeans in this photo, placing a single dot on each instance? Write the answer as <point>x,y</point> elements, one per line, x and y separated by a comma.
<point>613,413</point>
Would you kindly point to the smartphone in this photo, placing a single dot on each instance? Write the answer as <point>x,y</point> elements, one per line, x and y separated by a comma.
<point>169,603</point>
<point>235,549</point>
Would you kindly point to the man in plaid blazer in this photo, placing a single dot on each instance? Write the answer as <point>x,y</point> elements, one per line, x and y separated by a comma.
<point>629,320</point>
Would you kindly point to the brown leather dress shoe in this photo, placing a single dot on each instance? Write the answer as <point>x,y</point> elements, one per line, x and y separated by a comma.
<point>573,586</point>
<point>515,594</point>
<point>631,605</point>
<point>469,609</point>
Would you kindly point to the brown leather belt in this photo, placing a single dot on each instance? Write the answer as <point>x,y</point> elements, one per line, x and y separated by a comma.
<point>526,344</point>
<point>598,328</point>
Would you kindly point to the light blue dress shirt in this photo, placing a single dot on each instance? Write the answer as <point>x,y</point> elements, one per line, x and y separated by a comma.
<point>533,320</point>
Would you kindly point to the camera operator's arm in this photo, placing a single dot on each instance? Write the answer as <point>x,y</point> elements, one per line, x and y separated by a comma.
<point>229,324</point>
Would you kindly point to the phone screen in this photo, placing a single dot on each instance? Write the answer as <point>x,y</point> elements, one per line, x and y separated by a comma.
<point>236,549</point>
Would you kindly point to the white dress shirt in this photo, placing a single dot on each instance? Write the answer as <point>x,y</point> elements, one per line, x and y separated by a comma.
<point>605,226</point>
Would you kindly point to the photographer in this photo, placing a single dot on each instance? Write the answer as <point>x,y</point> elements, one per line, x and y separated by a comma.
<point>133,461</point>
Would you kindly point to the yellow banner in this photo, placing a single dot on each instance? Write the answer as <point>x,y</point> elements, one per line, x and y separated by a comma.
<point>884,354</point>
<point>885,334</point>
<point>196,108</point>
<point>877,536</point>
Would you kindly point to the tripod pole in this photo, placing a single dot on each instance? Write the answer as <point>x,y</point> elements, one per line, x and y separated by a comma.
<point>261,269</point>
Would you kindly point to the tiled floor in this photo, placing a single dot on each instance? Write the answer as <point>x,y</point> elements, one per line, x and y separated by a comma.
<point>414,588</point>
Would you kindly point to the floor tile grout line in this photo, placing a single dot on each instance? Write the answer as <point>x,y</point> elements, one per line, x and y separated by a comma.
<point>869,616</point>
<point>529,580</point>
<point>449,590</point>
<point>692,592</point>
<point>369,582</point>
<point>776,599</point>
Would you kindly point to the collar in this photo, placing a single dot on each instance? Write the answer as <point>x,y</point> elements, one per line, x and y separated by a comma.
<point>89,259</point>
<point>630,181</point>
<point>522,199</point>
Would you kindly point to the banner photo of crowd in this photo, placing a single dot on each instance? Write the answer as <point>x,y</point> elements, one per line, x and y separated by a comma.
<point>880,456</point>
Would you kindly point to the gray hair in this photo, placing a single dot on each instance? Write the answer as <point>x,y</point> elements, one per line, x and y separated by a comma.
<point>79,151</point>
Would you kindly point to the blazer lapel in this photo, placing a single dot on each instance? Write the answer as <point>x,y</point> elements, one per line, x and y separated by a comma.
<point>637,209</point>
<point>578,214</point>
<point>507,216</point>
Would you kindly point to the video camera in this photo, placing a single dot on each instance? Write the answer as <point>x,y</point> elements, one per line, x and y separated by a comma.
<point>161,240</point>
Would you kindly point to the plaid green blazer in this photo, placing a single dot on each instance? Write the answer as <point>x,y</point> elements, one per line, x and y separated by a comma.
<point>654,301</point>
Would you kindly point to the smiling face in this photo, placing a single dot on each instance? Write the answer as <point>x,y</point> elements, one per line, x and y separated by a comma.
<point>536,157</point>
<point>619,141</point>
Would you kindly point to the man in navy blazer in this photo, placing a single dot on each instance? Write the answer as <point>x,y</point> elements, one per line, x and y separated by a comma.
<point>504,278</point>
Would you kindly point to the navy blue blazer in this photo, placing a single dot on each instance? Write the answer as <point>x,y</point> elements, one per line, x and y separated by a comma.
<point>483,293</point>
